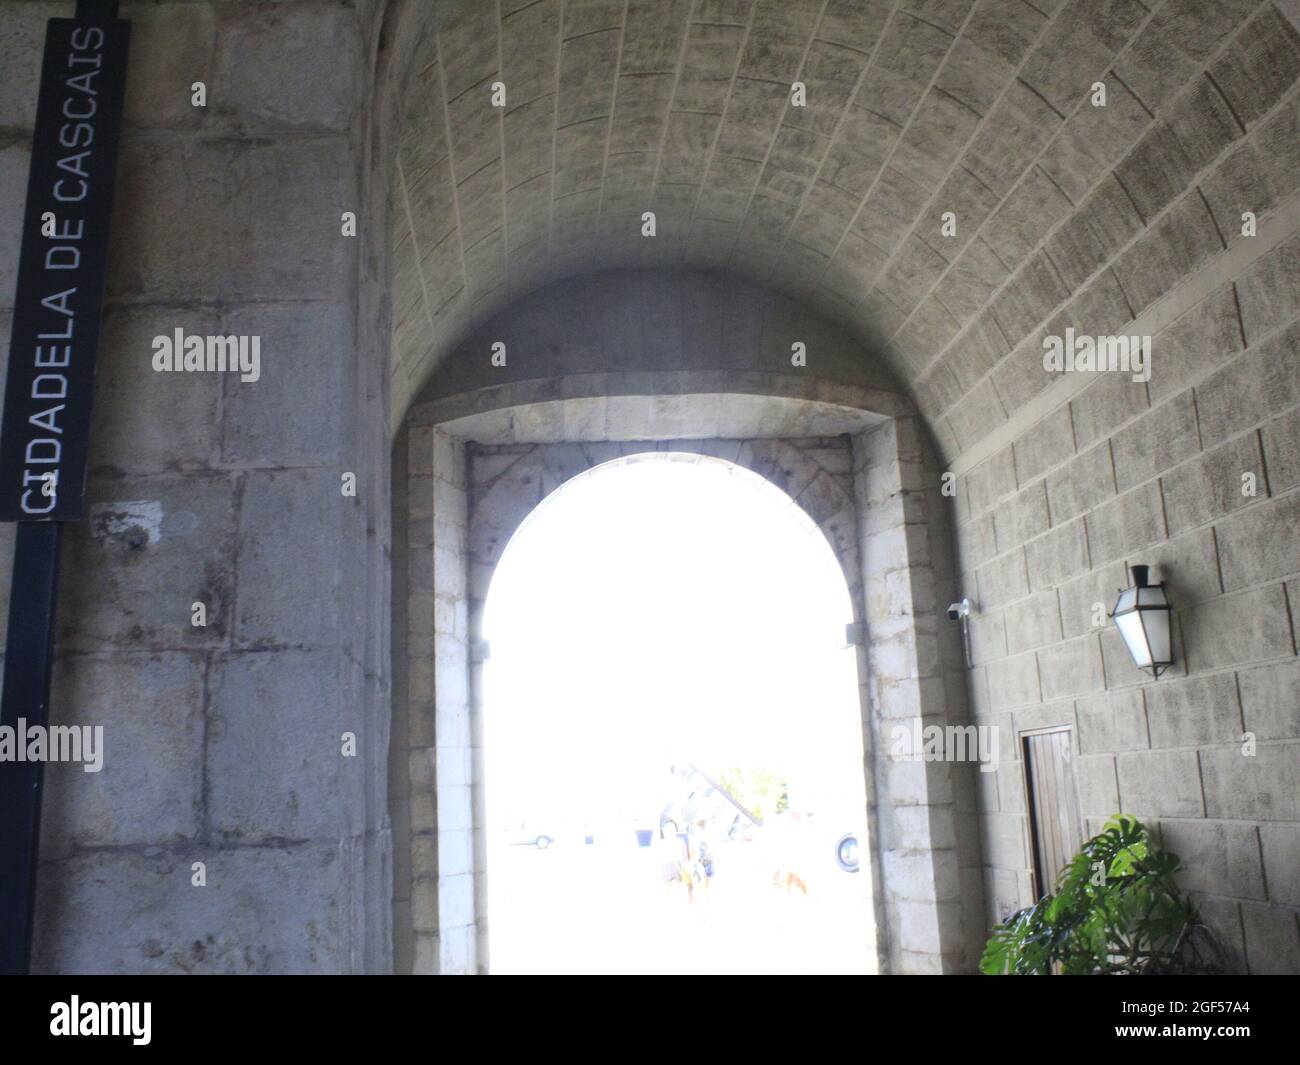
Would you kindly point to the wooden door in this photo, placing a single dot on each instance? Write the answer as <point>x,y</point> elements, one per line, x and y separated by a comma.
<point>1054,821</point>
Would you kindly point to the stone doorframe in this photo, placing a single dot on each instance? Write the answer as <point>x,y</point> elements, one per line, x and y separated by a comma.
<point>862,472</point>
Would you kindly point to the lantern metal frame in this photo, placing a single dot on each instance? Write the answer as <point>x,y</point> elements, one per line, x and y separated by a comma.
<point>1156,602</point>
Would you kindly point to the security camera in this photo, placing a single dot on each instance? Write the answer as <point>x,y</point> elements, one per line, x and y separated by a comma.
<point>960,612</point>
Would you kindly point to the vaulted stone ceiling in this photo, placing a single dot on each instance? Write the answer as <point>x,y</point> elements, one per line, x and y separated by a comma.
<point>1065,212</point>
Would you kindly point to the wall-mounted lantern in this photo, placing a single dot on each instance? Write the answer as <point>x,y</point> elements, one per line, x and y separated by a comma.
<point>1142,616</point>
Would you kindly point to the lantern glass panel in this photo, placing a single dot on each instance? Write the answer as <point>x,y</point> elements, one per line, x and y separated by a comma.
<point>1151,596</point>
<point>1131,628</point>
<point>1156,626</point>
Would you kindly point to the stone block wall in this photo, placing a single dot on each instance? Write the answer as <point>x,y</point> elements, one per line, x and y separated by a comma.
<point>224,742</point>
<point>1123,218</point>
<point>463,503</point>
<point>1195,474</point>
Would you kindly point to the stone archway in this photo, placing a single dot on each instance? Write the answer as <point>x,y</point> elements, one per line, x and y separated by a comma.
<point>505,483</point>
<point>861,474</point>
<point>714,562</point>
<point>1123,219</point>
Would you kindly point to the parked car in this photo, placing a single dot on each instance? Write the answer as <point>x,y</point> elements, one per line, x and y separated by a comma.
<point>525,836</point>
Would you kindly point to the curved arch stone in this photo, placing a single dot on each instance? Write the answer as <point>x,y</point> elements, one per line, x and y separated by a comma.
<point>655,332</point>
<point>852,455</point>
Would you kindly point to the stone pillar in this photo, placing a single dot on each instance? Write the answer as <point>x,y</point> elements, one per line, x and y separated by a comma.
<point>224,742</point>
<point>431,795</point>
<point>916,811</point>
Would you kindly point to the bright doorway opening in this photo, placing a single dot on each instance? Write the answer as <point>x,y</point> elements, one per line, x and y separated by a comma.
<point>672,733</point>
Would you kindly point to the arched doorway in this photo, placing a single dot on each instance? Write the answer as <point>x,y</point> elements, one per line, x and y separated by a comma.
<point>673,731</point>
<point>877,502</point>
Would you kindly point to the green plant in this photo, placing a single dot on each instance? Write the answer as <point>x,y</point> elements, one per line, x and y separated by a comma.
<point>1116,910</point>
<point>760,791</point>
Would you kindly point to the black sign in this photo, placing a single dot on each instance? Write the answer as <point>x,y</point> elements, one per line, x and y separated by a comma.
<point>43,444</point>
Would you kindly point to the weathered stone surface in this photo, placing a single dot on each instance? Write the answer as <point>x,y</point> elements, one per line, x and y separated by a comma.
<point>1087,601</point>
<point>1175,246</point>
<point>1023,516</point>
<point>1081,485</point>
<point>1265,61</point>
<point>1282,451</point>
<point>284,417</point>
<point>1101,227</point>
<point>1071,668</point>
<point>1013,681</point>
<point>1131,521</point>
<point>1050,442</point>
<point>1005,841</point>
<point>1059,555</point>
<point>1224,917</point>
<point>1262,381</point>
<point>1155,442</point>
<point>1249,626</point>
<point>1213,484</point>
<point>1094,139</point>
<point>274,551</point>
<point>209,216</point>
<point>123,911</point>
<point>991,481</point>
<point>147,421</point>
<point>1108,402</point>
<point>15,161</point>
<point>22,39</point>
<point>1015,230</point>
<point>1197,343</point>
<point>1269,707</point>
<point>1259,543</point>
<point>1188,565</point>
<point>149,789</point>
<point>1264,786</point>
<point>183,37</point>
<point>1272,939</point>
<point>1160,784</point>
<point>1003,579</point>
<point>1199,711</point>
<point>1218,856</point>
<point>1098,785</point>
<point>1112,721</point>
<point>1281,848</point>
<point>266,705</point>
<point>1033,622</point>
<point>150,548</point>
